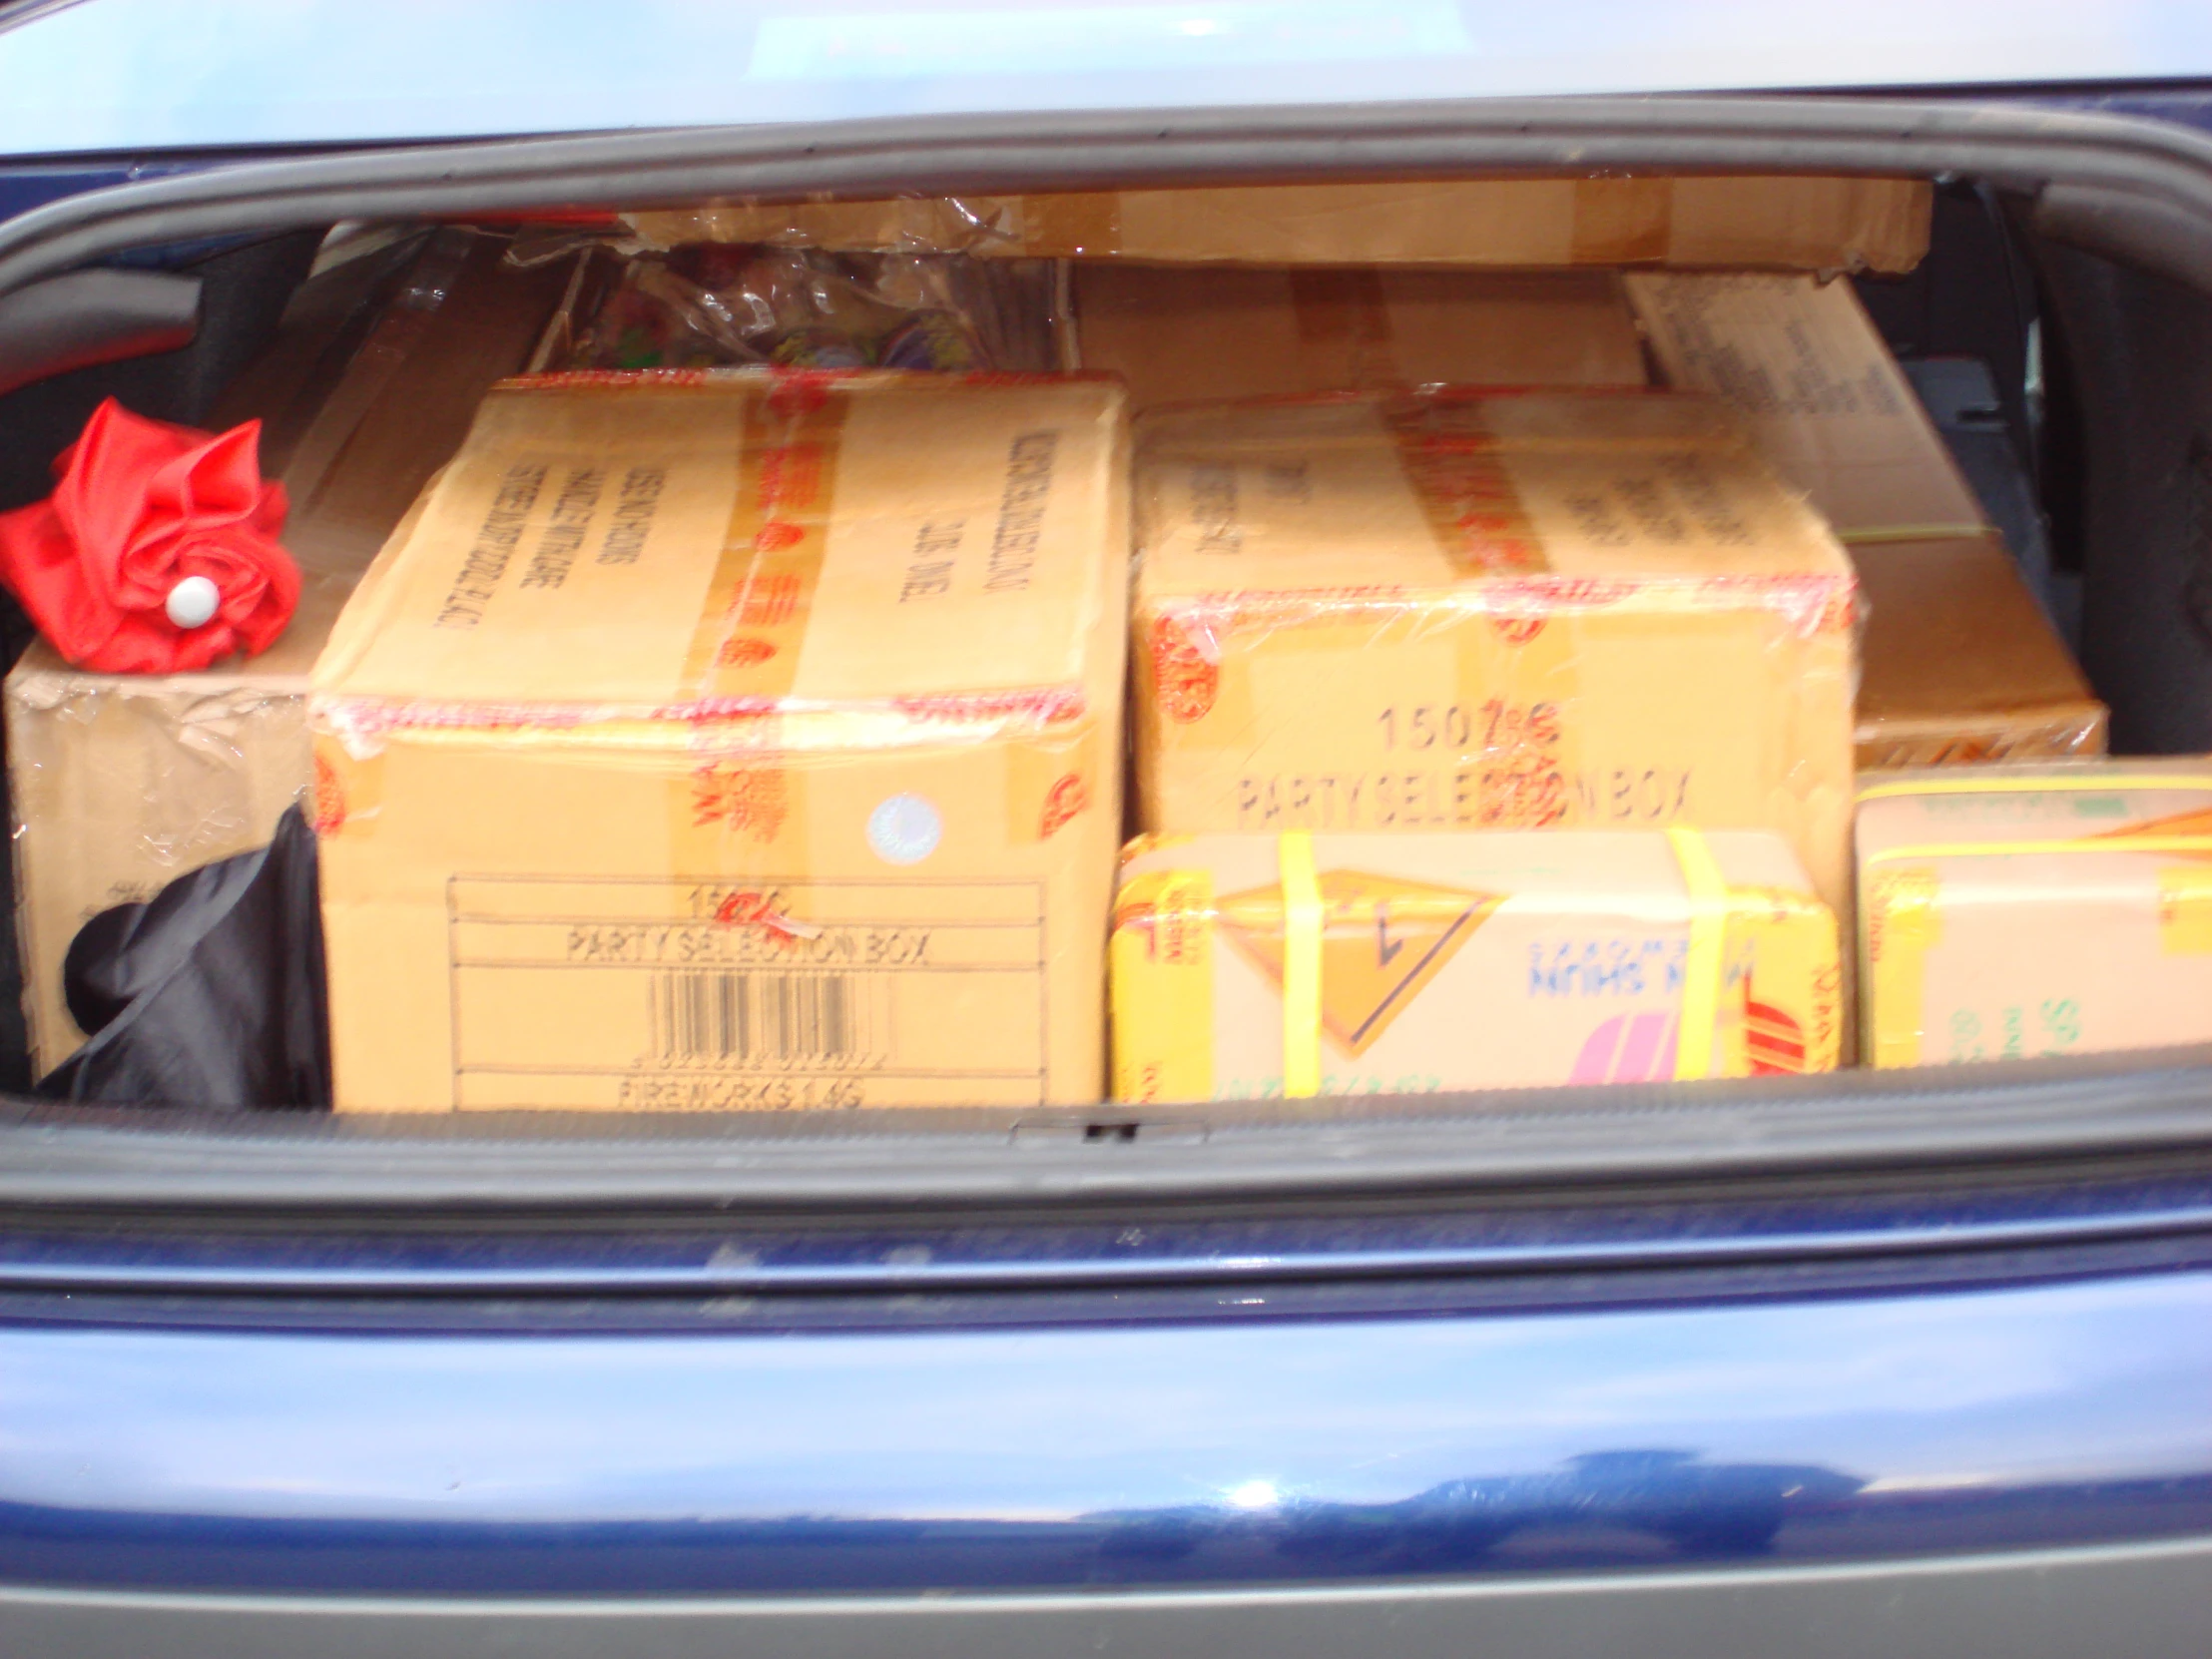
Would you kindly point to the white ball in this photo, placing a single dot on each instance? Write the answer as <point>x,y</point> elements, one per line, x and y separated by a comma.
<point>193,602</point>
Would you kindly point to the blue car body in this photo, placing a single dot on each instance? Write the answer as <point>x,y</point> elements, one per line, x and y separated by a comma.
<point>1061,1408</point>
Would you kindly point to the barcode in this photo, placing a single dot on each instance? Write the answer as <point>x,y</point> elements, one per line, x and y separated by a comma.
<point>755,1017</point>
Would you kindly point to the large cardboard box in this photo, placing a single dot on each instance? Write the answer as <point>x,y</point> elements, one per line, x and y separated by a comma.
<point>1961,663</point>
<point>1804,368</point>
<point>1466,961</point>
<point>735,739</point>
<point>1455,610</point>
<point>120,783</point>
<point>1793,223</point>
<point>1183,333</point>
<point>2023,911</point>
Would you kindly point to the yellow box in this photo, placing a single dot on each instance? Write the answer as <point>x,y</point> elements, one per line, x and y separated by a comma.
<point>734,739</point>
<point>1466,961</point>
<point>2011,913</point>
<point>1421,612</point>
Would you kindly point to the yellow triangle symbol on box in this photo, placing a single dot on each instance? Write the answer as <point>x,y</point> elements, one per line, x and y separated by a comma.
<point>1383,940</point>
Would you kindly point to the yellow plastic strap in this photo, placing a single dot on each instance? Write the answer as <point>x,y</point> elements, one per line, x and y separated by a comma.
<point>1875,535</point>
<point>1701,969</point>
<point>2014,849</point>
<point>1300,967</point>
<point>2020,784</point>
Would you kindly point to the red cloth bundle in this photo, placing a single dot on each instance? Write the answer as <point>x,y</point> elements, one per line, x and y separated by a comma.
<point>106,565</point>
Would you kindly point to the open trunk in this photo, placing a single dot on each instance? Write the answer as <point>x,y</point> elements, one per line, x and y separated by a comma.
<point>1049,1321</point>
<point>2065,262</point>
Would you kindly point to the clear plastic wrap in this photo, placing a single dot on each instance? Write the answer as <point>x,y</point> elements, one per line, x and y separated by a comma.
<point>1792,224</point>
<point>2022,913</point>
<point>714,304</point>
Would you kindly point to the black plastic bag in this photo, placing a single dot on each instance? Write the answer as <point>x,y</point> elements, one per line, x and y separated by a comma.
<point>209,995</point>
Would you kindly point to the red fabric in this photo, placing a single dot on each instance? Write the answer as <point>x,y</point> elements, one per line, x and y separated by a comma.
<point>140,505</point>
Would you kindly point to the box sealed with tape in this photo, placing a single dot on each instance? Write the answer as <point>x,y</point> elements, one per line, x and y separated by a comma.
<point>1456,610</point>
<point>1959,663</point>
<point>1800,222</point>
<point>1257,966</point>
<point>732,739</point>
<point>2028,911</point>
<point>1188,333</point>
<point>1807,371</point>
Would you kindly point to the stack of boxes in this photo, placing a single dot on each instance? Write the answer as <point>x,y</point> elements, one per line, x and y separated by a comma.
<point>1505,654</point>
<point>1959,661</point>
<point>120,783</point>
<point>1593,615</point>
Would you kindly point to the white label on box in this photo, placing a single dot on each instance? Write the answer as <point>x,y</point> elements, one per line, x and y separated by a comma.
<point>746,993</point>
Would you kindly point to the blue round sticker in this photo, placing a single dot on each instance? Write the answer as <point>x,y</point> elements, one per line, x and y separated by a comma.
<point>904,829</point>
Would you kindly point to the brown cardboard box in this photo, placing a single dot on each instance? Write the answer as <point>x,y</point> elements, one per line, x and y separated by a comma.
<point>734,739</point>
<point>2020,911</point>
<point>1180,333</point>
<point>120,783</point>
<point>1455,611</point>
<point>1795,224</point>
<point>1804,365</point>
<point>1959,661</point>
<point>1467,961</point>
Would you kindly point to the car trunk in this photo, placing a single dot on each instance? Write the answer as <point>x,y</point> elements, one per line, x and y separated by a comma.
<point>2070,259</point>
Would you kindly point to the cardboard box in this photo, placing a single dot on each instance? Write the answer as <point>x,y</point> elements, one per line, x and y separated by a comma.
<point>1961,664</point>
<point>1466,961</point>
<point>1468,610</point>
<point>1804,368</point>
<point>1182,334</point>
<point>2024,911</point>
<point>1795,224</point>
<point>122,783</point>
<point>726,738</point>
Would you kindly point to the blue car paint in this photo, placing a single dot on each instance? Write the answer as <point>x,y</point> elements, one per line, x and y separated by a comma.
<point>1223,1447</point>
<point>1310,1392</point>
